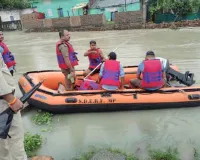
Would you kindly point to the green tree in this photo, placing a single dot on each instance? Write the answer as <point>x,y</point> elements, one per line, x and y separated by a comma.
<point>14,4</point>
<point>177,7</point>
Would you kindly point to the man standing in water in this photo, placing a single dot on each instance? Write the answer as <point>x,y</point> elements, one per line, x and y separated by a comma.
<point>66,59</point>
<point>11,148</point>
<point>7,55</point>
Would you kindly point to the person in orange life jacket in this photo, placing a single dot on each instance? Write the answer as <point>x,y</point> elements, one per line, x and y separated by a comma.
<point>66,58</point>
<point>95,56</point>
<point>8,57</point>
<point>110,73</point>
<point>153,74</point>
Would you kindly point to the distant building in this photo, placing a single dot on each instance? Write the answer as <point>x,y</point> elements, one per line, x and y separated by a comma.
<point>60,8</point>
<point>13,15</point>
<point>109,7</point>
<point>68,8</point>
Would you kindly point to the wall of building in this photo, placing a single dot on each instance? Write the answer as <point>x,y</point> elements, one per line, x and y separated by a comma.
<point>30,21</point>
<point>129,17</point>
<point>133,7</point>
<point>6,15</point>
<point>108,12</point>
<point>50,7</point>
<point>123,20</point>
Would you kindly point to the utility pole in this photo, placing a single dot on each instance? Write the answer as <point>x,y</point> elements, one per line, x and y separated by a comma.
<point>125,5</point>
<point>1,28</point>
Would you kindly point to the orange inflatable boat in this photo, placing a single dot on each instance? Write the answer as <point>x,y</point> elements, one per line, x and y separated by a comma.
<point>47,97</point>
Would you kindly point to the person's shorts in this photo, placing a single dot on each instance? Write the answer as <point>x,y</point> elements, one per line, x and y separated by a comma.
<point>96,70</point>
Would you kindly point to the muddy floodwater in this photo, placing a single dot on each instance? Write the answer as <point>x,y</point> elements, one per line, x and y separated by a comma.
<point>130,131</point>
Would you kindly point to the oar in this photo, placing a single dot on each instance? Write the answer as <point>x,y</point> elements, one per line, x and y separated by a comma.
<point>86,79</point>
<point>93,70</point>
<point>101,63</point>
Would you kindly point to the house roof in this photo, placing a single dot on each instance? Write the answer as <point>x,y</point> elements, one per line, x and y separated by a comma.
<point>80,5</point>
<point>111,3</point>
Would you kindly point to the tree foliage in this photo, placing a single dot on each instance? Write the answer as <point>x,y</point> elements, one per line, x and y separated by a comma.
<point>14,4</point>
<point>176,7</point>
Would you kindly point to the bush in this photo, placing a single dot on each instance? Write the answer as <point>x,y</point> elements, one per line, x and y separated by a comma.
<point>32,143</point>
<point>42,118</point>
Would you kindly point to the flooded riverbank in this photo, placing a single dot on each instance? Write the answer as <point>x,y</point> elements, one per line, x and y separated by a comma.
<point>72,134</point>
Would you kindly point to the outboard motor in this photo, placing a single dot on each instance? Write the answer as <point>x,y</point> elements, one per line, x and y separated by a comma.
<point>186,79</point>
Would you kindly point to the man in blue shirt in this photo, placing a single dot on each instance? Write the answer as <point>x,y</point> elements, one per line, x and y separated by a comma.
<point>1,50</point>
<point>154,74</point>
<point>112,57</point>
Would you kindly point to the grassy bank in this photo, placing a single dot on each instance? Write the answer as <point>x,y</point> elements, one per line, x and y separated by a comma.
<point>153,154</point>
<point>110,152</point>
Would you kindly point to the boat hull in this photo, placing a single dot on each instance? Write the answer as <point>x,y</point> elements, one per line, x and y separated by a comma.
<point>47,98</point>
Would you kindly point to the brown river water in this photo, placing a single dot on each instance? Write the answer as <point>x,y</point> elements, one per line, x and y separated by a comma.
<point>130,131</point>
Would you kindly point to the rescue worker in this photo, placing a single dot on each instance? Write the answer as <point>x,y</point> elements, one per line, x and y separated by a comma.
<point>95,56</point>
<point>186,79</point>
<point>11,148</point>
<point>152,71</point>
<point>110,73</point>
<point>8,57</point>
<point>67,59</point>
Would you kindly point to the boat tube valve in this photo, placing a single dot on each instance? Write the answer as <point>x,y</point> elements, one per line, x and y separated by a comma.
<point>194,96</point>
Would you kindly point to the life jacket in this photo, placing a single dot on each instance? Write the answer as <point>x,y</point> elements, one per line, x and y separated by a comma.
<point>8,57</point>
<point>152,74</point>
<point>72,56</point>
<point>89,85</point>
<point>95,59</point>
<point>111,73</point>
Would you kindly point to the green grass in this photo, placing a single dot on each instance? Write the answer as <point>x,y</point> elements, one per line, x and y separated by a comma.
<point>168,154</point>
<point>154,154</point>
<point>42,118</point>
<point>128,156</point>
<point>32,143</point>
<point>196,155</point>
<point>87,155</point>
<point>110,22</point>
<point>93,151</point>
